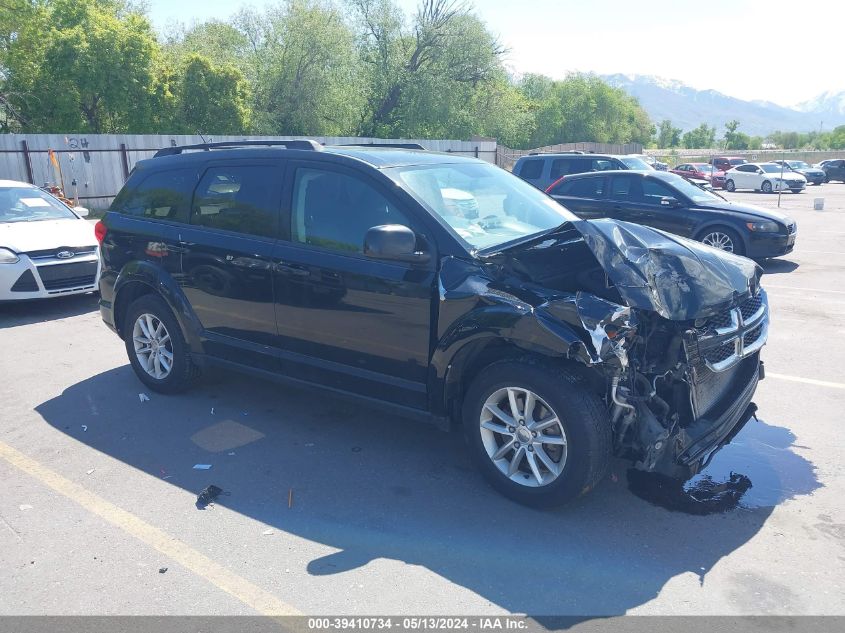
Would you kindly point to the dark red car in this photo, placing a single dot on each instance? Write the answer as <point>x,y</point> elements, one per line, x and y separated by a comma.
<point>705,171</point>
<point>724,163</point>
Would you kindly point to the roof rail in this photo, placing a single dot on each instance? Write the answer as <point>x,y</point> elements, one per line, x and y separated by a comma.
<point>567,151</point>
<point>293,144</point>
<point>393,145</point>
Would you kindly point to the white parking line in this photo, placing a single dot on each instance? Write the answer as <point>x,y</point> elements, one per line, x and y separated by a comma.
<point>807,381</point>
<point>820,252</point>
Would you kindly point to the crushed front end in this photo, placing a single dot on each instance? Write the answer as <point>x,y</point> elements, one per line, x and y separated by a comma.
<point>686,388</point>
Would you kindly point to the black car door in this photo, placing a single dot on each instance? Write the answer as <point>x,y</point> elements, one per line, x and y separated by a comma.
<point>346,320</point>
<point>226,259</point>
<point>584,196</point>
<point>626,202</point>
<point>836,170</point>
<point>663,207</point>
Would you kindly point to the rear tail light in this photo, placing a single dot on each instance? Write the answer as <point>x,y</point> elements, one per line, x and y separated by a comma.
<point>100,230</point>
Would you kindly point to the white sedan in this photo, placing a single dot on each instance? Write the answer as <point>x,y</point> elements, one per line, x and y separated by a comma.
<point>47,249</point>
<point>765,177</point>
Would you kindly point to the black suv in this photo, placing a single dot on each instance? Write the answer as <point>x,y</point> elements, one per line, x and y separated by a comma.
<point>541,170</point>
<point>443,288</point>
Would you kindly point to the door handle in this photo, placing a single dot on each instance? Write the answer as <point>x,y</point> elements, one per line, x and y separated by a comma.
<point>291,269</point>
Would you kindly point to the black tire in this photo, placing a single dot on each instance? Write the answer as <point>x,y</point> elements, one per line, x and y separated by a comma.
<point>738,244</point>
<point>826,178</point>
<point>581,413</point>
<point>183,371</point>
<point>730,185</point>
<point>797,190</point>
<point>766,187</point>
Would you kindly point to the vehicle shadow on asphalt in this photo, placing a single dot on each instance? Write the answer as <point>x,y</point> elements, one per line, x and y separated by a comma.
<point>29,312</point>
<point>375,486</point>
<point>777,266</point>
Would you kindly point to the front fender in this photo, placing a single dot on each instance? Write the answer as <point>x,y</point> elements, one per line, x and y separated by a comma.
<point>163,284</point>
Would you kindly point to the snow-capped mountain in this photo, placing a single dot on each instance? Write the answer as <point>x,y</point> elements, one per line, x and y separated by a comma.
<point>688,107</point>
<point>830,103</point>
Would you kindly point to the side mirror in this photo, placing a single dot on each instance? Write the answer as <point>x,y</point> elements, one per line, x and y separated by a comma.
<point>393,242</point>
<point>760,171</point>
<point>82,212</point>
<point>669,201</point>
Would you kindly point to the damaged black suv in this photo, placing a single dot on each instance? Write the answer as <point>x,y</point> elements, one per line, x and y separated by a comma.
<point>445,289</point>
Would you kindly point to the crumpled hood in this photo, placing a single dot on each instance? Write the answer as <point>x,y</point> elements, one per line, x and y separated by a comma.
<point>23,237</point>
<point>678,278</point>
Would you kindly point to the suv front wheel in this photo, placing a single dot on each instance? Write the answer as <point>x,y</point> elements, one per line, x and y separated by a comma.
<point>156,347</point>
<point>536,432</point>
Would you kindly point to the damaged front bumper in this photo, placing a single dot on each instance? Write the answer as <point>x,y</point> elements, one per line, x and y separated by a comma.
<point>672,414</point>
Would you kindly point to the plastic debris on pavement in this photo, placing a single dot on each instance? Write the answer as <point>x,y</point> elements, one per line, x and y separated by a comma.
<point>24,507</point>
<point>208,495</point>
<point>267,532</point>
<point>161,570</point>
<point>202,466</point>
<point>88,472</point>
<point>143,397</point>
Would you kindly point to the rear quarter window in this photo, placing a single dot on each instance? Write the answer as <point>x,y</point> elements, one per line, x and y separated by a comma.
<point>581,188</point>
<point>531,169</point>
<point>164,195</point>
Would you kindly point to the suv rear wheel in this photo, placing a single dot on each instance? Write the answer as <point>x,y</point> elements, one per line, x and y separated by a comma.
<point>536,432</point>
<point>156,347</point>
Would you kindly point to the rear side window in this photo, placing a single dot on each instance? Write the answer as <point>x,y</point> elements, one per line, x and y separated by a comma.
<point>531,169</point>
<point>163,195</point>
<point>335,210</point>
<point>626,188</point>
<point>239,198</point>
<point>566,166</point>
<point>581,188</point>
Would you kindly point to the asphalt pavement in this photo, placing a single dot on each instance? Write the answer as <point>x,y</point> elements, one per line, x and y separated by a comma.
<point>332,508</point>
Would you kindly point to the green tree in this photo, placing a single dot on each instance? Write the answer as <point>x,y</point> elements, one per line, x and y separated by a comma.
<point>307,74</point>
<point>212,99</point>
<point>419,79</point>
<point>837,138</point>
<point>668,135</point>
<point>85,65</point>
<point>584,108</point>
<point>702,137</point>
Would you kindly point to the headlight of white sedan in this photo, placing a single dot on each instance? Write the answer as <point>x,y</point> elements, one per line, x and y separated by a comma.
<point>8,257</point>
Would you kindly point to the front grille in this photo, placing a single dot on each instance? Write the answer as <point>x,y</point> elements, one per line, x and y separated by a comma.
<point>60,276</point>
<point>794,183</point>
<point>721,353</point>
<point>751,306</point>
<point>51,252</point>
<point>25,283</point>
<point>710,388</point>
<point>752,335</point>
<point>720,320</point>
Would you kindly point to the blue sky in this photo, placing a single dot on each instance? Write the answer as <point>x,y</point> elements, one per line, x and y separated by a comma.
<point>728,45</point>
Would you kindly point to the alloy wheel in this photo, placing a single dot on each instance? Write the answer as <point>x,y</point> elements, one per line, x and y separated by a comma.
<point>153,346</point>
<point>719,240</point>
<point>523,436</point>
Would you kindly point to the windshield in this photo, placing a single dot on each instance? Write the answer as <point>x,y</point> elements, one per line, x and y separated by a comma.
<point>797,164</point>
<point>771,168</point>
<point>485,205</point>
<point>28,204</point>
<point>632,162</point>
<point>694,192</point>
